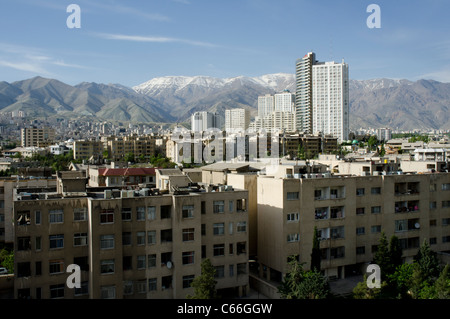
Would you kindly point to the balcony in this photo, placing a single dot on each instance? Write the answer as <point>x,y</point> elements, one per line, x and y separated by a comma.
<point>410,188</point>
<point>407,206</point>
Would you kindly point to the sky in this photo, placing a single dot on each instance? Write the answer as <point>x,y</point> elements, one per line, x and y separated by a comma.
<point>132,41</point>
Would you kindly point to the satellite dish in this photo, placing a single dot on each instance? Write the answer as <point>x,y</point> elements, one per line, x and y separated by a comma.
<point>417,225</point>
<point>169,264</point>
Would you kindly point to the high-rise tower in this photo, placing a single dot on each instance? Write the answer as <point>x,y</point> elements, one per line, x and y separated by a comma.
<point>303,93</point>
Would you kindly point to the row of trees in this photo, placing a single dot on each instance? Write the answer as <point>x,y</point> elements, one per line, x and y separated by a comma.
<point>424,278</point>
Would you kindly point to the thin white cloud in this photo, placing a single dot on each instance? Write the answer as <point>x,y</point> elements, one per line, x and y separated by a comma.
<point>24,66</point>
<point>31,59</point>
<point>138,38</point>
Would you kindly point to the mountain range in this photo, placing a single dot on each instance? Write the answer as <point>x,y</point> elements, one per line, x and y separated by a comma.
<point>398,104</point>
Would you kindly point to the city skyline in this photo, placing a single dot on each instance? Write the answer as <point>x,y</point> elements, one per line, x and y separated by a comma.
<point>130,43</point>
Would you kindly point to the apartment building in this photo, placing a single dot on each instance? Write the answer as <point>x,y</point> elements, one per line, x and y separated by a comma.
<point>11,188</point>
<point>350,212</point>
<point>85,149</point>
<point>33,136</point>
<point>238,119</point>
<point>139,146</point>
<point>138,244</point>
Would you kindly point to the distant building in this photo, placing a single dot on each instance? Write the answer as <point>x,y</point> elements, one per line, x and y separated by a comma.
<point>331,99</point>
<point>237,119</point>
<point>384,134</point>
<point>37,136</point>
<point>201,121</point>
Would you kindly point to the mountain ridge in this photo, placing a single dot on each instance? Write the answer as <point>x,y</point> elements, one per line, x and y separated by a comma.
<point>395,103</point>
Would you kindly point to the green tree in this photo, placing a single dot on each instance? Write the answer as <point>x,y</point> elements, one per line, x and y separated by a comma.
<point>315,254</point>
<point>427,261</point>
<point>313,286</point>
<point>382,257</point>
<point>395,254</point>
<point>300,284</point>
<point>205,284</point>
<point>442,284</point>
<point>289,286</point>
<point>362,291</point>
<point>400,280</point>
<point>7,259</point>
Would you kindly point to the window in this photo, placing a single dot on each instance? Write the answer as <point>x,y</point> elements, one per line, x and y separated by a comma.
<point>293,217</point>
<point>107,266</point>
<point>231,270</point>
<point>219,229</point>
<point>445,221</point>
<point>56,216</point>
<point>56,241</point>
<point>321,213</point>
<point>106,241</point>
<point>127,263</point>
<point>57,291</point>
<point>37,217</point>
<point>219,250</point>
<point>151,213</point>
<point>241,205</point>
<point>126,213</point>
<point>241,268</point>
<point>126,238</point>
<point>231,206</point>
<point>360,211</point>
<point>141,262</point>
<point>140,213</point>
<point>203,229</point>
<point>187,211</point>
<point>166,235</point>
<point>56,266</point>
<point>433,222</point>
<point>23,217</point>
<point>188,234</point>
<point>80,239</point>
<point>188,257</point>
<point>360,230</point>
<point>360,191</point>
<point>23,269</point>
<point>220,271</point>
<point>151,237</point>
<point>152,284</point>
<point>165,211</point>
<point>241,227</point>
<point>218,206</point>
<point>151,260</point>
<point>433,205</point>
<point>107,216</point>
<point>140,238</point>
<point>166,282</point>
<point>83,262</point>
<point>361,250</point>
<point>432,187</point>
<point>375,209</point>
<point>241,247</point>
<point>203,208</point>
<point>446,186</point>
<point>38,243</point>
<point>445,203</point>
<point>108,292</point>
<point>141,286</point>
<point>83,290</point>
<point>375,190</point>
<point>230,228</point>
<point>375,229</point>
<point>187,281</point>
<point>80,214</point>
<point>338,252</point>
<point>127,287</point>
<point>292,195</point>
<point>293,237</point>
<point>24,243</point>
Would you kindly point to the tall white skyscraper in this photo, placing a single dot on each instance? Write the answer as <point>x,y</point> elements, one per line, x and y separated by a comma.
<point>201,121</point>
<point>237,119</point>
<point>303,93</point>
<point>330,99</point>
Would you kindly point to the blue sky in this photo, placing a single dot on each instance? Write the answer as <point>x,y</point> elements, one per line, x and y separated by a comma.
<point>132,41</point>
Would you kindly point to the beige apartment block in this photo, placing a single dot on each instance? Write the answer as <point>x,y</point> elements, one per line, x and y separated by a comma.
<point>12,188</point>
<point>350,213</point>
<point>134,245</point>
<point>85,149</point>
<point>34,136</point>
